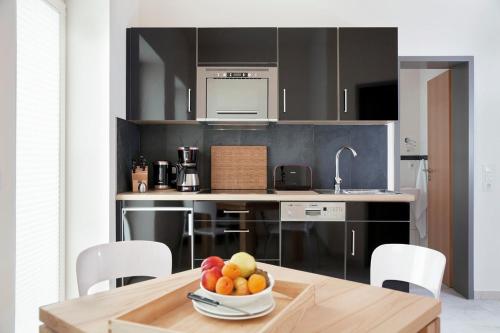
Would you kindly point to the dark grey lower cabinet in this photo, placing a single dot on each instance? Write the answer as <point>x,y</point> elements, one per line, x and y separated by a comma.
<point>223,228</point>
<point>159,221</point>
<point>362,238</point>
<point>316,247</point>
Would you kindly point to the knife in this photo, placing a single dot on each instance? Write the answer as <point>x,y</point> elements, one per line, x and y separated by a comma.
<point>205,300</point>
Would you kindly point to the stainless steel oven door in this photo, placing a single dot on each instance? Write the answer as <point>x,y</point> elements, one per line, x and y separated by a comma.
<point>237,99</point>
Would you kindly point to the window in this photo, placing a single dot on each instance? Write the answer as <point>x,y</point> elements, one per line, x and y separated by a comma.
<point>39,159</point>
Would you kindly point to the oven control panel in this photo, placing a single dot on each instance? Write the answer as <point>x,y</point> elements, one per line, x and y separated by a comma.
<point>313,211</point>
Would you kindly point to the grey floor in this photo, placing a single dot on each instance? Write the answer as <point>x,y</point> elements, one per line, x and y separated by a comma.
<point>460,315</point>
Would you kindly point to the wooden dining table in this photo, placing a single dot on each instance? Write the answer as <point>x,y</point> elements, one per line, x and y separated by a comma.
<point>340,306</point>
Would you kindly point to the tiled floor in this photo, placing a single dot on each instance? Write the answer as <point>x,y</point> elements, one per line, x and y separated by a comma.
<point>460,315</point>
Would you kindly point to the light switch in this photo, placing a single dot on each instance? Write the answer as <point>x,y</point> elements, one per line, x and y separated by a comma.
<point>488,177</point>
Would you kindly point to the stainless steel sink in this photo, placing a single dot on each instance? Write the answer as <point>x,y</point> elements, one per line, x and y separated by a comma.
<point>356,191</point>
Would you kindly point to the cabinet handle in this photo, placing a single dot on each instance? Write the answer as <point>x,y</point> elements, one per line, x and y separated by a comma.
<point>189,100</point>
<point>190,224</point>
<point>284,100</point>
<point>236,211</point>
<point>345,100</point>
<point>236,231</point>
<point>353,252</point>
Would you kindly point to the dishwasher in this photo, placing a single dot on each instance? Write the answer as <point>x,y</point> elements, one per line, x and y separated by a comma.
<point>312,237</point>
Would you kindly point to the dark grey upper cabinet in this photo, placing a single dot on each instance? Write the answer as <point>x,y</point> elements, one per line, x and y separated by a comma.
<point>368,73</point>
<point>237,46</point>
<point>161,73</point>
<point>307,74</point>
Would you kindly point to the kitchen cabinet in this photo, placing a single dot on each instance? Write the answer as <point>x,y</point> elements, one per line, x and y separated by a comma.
<point>368,226</point>
<point>368,73</point>
<point>237,46</point>
<point>316,247</point>
<point>166,222</point>
<point>308,74</point>
<point>223,228</point>
<point>161,74</point>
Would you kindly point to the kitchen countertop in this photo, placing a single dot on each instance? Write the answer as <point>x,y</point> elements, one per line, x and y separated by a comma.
<point>172,195</point>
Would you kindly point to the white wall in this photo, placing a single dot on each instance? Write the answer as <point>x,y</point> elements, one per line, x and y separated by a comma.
<point>409,111</point>
<point>459,28</point>
<point>413,118</point>
<point>87,132</point>
<point>7,164</point>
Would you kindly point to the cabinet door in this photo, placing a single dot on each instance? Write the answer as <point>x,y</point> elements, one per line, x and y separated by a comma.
<point>224,238</point>
<point>169,228</point>
<point>161,73</point>
<point>316,247</point>
<point>364,237</point>
<point>308,73</point>
<point>237,46</point>
<point>368,73</point>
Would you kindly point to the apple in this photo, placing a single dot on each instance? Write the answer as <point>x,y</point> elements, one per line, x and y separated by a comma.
<point>245,262</point>
<point>209,278</point>
<point>210,262</point>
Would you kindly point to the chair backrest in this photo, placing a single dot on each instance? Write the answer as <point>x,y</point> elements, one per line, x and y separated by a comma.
<point>121,259</point>
<point>415,264</point>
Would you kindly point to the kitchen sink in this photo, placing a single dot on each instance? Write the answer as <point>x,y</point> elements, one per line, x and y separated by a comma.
<point>356,191</point>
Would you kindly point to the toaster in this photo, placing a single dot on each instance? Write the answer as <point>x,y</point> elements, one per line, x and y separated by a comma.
<point>292,178</point>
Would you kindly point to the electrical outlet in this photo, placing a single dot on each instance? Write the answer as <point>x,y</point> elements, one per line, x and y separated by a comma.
<point>488,177</point>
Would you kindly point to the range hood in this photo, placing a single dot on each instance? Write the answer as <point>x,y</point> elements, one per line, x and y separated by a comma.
<point>237,95</point>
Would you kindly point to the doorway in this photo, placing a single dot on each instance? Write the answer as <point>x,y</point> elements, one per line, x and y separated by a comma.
<point>435,150</point>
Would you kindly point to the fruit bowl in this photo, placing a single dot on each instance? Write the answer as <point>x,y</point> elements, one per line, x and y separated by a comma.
<point>240,300</point>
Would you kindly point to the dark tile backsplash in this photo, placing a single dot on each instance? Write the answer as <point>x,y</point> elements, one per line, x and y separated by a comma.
<point>313,145</point>
<point>128,147</point>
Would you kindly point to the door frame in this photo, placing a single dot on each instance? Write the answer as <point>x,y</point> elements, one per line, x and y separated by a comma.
<point>429,62</point>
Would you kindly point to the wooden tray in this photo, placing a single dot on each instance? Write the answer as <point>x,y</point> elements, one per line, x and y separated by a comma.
<point>174,313</point>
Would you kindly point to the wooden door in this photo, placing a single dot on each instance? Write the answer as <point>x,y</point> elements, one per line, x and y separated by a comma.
<point>439,218</point>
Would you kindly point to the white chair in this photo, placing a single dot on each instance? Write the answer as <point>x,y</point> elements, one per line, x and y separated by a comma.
<point>121,259</point>
<point>415,264</point>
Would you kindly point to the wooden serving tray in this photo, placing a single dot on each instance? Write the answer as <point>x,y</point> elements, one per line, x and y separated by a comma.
<point>174,313</point>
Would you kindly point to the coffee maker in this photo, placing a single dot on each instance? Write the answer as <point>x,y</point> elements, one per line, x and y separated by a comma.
<point>187,173</point>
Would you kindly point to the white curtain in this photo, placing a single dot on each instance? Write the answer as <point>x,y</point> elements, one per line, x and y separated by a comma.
<point>38,159</point>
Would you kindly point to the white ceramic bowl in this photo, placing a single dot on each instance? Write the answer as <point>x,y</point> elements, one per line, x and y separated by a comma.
<point>234,300</point>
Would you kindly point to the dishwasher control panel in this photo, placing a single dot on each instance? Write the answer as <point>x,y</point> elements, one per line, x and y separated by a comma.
<point>313,211</point>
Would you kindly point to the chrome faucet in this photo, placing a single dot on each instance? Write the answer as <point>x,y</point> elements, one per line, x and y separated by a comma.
<point>338,180</point>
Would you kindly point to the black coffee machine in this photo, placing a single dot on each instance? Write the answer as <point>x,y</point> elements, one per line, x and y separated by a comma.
<point>187,172</point>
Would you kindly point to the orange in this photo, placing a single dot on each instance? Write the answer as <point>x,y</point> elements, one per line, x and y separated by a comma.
<point>224,286</point>
<point>256,283</point>
<point>231,270</point>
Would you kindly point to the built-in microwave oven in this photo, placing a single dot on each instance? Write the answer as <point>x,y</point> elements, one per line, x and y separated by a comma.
<point>237,94</point>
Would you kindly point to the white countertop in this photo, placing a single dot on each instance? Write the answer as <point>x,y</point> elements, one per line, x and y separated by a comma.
<point>173,195</point>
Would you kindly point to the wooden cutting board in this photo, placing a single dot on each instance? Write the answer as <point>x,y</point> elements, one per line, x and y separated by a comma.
<point>239,167</point>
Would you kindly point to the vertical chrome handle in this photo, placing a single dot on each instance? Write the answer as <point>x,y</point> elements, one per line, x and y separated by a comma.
<point>345,100</point>
<point>353,252</point>
<point>284,100</point>
<point>190,224</point>
<point>189,100</point>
